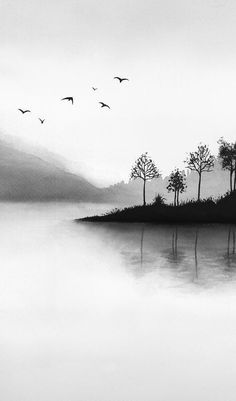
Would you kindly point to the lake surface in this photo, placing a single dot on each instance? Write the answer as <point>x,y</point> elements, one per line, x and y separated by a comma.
<point>109,312</point>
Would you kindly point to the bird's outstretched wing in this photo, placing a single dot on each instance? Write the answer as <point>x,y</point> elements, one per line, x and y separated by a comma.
<point>104,105</point>
<point>24,111</point>
<point>69,98</point>
<point>121,79</point>
<point>94,88</point>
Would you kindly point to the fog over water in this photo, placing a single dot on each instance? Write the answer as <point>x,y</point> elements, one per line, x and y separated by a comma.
<point>107,312</point>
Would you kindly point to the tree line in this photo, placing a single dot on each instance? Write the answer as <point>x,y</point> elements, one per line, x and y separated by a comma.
<point>201,161</point>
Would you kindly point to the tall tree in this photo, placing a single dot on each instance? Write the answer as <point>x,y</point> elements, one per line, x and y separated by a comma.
<point>145,169</point>
<point>176,184</point>
<point>227,156</point>
<point>200,161</point>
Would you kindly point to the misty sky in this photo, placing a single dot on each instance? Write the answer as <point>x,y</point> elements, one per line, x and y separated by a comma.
<point>180,56</point>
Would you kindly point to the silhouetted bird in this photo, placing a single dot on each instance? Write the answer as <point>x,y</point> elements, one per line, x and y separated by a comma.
<point>104,105</point>
<point>94,88</point>
<point>42,121</point>
<point>121,79</point>
<point>69,98</point>
<point>24,111</point>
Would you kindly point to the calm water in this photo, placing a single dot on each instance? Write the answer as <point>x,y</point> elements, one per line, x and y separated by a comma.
<point>107,312</point>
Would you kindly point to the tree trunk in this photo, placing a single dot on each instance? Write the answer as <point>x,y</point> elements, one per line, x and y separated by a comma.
<point>144,192</point>
<point>199,186</point>
<point>234,178</point>
<point>175,199</point>
<point>230,178</point>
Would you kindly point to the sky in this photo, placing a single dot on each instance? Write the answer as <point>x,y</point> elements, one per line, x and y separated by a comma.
<point>179,56</point>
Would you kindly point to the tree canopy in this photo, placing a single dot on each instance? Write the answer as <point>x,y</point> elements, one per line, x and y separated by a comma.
<point>176,184</point>
<point>145,169</point>
<point>200,161</point>
<point>227,156</point>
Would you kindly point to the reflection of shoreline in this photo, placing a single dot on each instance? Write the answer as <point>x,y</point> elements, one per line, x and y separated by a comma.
<point>204,252</point>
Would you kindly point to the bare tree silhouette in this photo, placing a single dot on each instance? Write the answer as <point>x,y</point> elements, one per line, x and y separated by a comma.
<point>227,155</point>
<point>200,161</point>
<point>176,184</point>
<point>145,169</point>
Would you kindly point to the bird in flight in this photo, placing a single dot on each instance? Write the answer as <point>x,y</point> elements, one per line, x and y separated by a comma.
<point>121,79</point>
<point>24,111</point>
<point>69,98</point>
<point>42,121</point>
<point>94,88</point>
<point>104,105</point>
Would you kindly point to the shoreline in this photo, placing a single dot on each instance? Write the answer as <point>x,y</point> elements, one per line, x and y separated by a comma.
<point>221,211</point>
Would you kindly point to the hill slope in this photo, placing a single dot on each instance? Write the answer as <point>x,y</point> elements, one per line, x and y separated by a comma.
<point>26,177</point>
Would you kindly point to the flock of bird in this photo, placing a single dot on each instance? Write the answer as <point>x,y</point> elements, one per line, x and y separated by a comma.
<point>71,99</point>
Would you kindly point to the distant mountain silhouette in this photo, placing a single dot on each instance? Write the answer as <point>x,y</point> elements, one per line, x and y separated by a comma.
<point>26,177</point>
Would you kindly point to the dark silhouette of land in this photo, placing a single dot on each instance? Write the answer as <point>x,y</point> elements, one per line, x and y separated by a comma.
<point>222,210</point>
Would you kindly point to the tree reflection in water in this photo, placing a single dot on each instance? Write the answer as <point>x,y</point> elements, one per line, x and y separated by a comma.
<point>204,255</point>
<point>174,255</point>
<point>196,255</point>
<point>230,254</point>
<point>141,248</point>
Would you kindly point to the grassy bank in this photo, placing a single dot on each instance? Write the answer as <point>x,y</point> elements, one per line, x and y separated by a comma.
<point>222,210</point>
